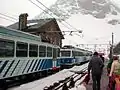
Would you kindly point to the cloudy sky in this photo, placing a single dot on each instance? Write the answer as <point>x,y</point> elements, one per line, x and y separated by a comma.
<point>94,30</point>
<point>14,8</point>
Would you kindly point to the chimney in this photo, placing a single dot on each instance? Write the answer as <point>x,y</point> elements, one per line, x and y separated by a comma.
<point>23,21</point>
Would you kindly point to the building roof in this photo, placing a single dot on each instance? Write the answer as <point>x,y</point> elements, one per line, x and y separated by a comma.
<point>35,24</point>
<point>32,23</point>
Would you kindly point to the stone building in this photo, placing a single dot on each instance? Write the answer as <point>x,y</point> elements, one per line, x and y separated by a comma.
<point>48,28</point>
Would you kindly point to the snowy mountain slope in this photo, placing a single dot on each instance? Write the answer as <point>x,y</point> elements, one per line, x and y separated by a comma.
<point>63,9</point>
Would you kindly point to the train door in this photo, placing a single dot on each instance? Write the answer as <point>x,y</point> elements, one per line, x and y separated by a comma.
<point>73,56</point>
<point>54,57</point>
<point>56,61</point>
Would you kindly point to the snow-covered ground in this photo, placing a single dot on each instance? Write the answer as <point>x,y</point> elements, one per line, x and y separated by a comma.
<point>50,80</point>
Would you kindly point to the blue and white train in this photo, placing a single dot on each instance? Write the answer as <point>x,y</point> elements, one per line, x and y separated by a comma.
<point>23,54</point>
<point>71,56</point>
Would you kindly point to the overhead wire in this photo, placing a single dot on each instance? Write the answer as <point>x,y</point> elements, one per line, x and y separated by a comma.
<point>48,12</point>
<point>14,19</point>
<point>55,14</point>
<point>7,19</point>
<point>8,16</point>
<point>79,35</point>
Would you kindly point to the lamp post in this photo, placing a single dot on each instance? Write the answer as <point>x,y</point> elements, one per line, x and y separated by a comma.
<point>111,47</point>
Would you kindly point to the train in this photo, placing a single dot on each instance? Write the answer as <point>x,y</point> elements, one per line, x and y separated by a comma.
<point>24,55</point>
<point>70,56</point>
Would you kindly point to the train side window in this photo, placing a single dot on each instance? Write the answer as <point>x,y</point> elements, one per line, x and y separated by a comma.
<point>21,49</point>
<point>49,52</point>
<point>54,53</point>
<point>42,51</point>
<point>33,50</point>
<point>82,54</point>
<point>73,53</point>
<point>6,48</point>
<point>65,53</point>
<point>58,52</point>
<point>76,53</point>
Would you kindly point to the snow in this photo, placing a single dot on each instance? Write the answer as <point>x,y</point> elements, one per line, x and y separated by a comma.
<point>61,75</point>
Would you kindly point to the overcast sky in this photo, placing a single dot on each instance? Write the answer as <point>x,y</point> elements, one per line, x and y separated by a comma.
<point>97,31</point>
<point>14,8</point>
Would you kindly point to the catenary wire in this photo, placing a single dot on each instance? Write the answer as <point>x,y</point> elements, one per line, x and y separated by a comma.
<point>55,14</point>
<point>7,19</point>
<point>47,13</point>
<point>8,16</point>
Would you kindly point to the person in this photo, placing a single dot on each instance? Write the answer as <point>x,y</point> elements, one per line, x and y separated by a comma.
<point>109,66</point>
<point>115,71</point>
<point>95,65</point>
<point>115,68</point>
<point>103,59</point>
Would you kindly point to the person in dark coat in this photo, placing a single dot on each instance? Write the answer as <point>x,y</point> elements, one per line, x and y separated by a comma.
<point>103,59</point>
<point>95,65</point>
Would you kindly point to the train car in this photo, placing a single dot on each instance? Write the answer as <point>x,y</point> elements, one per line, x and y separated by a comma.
<point>71,56</point>
<point>24,55</point>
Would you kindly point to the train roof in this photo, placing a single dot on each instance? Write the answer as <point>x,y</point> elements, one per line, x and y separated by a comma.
<point>23,36</point>
<point>18,33</point>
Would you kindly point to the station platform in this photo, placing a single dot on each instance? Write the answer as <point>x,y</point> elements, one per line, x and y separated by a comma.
<point>40,84</point>
<point>104,80</point>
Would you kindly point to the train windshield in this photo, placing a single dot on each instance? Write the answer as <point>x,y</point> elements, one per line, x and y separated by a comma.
<point>65,53</point>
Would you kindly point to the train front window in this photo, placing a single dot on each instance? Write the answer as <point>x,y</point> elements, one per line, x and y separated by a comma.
<point>21,49</point>
<point>65,53</point>
<point>6,48</point>
<point>33,50</point>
